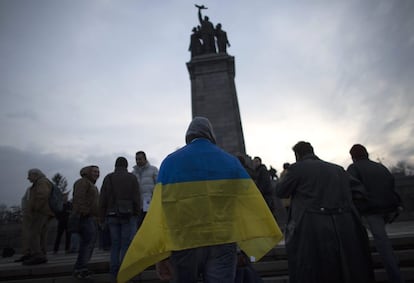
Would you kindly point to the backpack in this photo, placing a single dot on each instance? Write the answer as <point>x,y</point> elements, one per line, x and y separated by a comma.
<point>56,200</point>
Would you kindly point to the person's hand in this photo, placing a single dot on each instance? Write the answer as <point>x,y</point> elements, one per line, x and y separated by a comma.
<point>164,270</point>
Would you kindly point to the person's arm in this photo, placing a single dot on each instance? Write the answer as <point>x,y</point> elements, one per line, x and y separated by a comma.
<point>353,171</point>
<point>137,196</point>
<point>200,17</point>
<point>155,175</point>
<point>286,185</point>
<point>103,200</point>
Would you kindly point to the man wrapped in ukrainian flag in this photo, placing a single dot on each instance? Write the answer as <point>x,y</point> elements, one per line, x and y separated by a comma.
<point>204,206</point>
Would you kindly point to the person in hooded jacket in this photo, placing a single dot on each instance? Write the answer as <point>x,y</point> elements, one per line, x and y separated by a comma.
<point>204,206</point>
<point>325,239</point>
<point>85,204</point>
<point>40,215</point>
<point>119,205</point>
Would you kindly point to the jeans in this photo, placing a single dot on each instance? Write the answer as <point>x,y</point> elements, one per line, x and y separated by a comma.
<point>87,237</point>
<point>74,243</point>
<point>122,232</point>
<point>383,244</point>
<point>216,264</point>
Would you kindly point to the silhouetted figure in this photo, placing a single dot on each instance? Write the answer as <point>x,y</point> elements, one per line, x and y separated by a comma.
<point>62,227</point>
<point>285,201</point>
<point>249,170</point>
<point>206,32</point>
<point>195,43</point>
<point>222,41</point>
<point>262,180</point>
<point>40,216</point>
<point>85,203</point>
<point>383,201</point>
<point>273,173</point>
<point>325,239</point>
<point>119,204</point>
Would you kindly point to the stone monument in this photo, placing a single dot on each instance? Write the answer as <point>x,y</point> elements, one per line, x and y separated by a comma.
<point>213,91</point>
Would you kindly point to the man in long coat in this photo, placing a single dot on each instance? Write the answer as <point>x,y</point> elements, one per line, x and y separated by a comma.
<point>324,237</point>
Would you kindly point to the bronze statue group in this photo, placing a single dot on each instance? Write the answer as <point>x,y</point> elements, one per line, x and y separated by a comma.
<point>206,38</point>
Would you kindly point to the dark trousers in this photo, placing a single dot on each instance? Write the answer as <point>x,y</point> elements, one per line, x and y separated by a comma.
<point>62,228</point>
<point>87,235</point>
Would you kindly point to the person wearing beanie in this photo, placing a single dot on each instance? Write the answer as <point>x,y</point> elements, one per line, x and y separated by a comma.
<point>325,239</point>
<point>204,205</point>
<point>119,207</point>
<point>383,203</point>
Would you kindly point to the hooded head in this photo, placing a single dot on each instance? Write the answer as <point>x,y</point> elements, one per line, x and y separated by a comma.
<point>301,149</point>
<point>358,152</point>
<point>90,172</point>
<point>121,162</point>
<point>200,127</point>
<point>34,174</point>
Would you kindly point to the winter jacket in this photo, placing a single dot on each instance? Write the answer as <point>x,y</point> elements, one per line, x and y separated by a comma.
<point>119,185</point>
<point>147,178</point>
<point>379,185</point>
<point>39,197</point>
<point>85,197</point>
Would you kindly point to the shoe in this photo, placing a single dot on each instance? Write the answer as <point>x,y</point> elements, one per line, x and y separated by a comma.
<point>22,258</point>
<point>34,261</point>
<point>82,275</point>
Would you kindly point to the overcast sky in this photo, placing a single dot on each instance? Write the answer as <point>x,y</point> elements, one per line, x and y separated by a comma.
<point>85,81</point>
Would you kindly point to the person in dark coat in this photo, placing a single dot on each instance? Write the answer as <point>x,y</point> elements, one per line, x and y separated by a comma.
<point>195,44</point>
<point>382,203</point>
<point>119,205</point>
<point>262,180</point>
<point>62,227</point>
<point>222,41</point>
<point>325,239</point>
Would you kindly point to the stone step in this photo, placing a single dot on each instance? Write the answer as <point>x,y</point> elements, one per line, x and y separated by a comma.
<point>272,268</point>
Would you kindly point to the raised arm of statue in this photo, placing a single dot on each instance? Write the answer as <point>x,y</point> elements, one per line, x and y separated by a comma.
<point>200,18</point>
<point>200,7</point>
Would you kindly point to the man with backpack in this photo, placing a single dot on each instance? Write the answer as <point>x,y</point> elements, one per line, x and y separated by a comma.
<point>39,214</point>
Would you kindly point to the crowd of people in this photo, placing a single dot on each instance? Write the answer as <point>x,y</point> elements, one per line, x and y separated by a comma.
<point>205,208</point>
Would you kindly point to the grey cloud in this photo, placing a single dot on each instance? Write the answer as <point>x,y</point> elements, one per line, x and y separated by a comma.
<point>16,163</point>
<point>25,114</point>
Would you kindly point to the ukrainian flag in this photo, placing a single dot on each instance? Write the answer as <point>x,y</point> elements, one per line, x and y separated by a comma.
<point>203,197</point>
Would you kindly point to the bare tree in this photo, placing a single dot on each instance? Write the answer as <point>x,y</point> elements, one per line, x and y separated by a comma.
<point>60,182</point>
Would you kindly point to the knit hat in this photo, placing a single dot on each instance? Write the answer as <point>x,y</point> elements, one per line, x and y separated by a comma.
<point>358,152</point>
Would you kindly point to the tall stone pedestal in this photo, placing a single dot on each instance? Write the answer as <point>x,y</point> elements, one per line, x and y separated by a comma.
<point>213,95</point>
